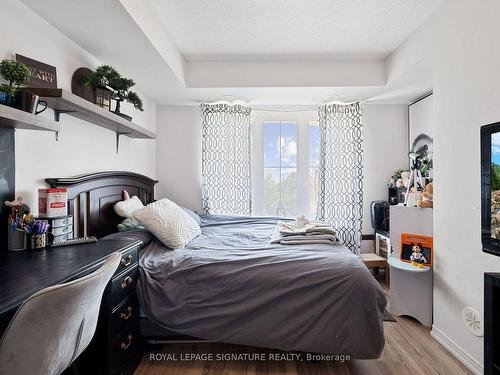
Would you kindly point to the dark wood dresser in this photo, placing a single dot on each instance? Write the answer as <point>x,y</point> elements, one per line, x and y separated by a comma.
<point>116,347</point>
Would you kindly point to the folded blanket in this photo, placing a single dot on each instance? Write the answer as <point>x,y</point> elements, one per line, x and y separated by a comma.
<point>303,226</point>
<point>303,231</point>
<point>299,239</point>
<point>309,231</point>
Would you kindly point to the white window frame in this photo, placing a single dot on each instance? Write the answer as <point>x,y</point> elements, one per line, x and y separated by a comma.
<point>303,120</point>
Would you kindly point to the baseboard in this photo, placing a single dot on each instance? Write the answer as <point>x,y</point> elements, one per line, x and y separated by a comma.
<point>457,351</point>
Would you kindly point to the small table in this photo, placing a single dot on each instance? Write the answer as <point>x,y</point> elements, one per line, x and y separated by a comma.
<point>411,291</point>
<point>373,260</point>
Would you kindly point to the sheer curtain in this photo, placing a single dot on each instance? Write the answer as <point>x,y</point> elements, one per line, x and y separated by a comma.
<point>226,187</point>
<point>340,201</point>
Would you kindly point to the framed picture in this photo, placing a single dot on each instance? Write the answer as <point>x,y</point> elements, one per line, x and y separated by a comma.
<point>416,249</point>
<point>420,124</point>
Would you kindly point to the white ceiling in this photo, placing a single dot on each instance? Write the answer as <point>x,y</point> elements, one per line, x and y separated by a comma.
<point>290,28</point>
<point>183,51</point>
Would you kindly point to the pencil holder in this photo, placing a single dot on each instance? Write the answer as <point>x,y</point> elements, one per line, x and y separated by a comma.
<point>38,241</point>
<point>17,240</point>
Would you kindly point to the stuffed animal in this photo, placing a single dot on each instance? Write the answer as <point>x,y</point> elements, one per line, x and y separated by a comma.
<point>426,200</point>
<point>406,178</point>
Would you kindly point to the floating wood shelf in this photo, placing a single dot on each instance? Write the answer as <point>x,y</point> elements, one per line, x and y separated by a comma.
<point>62,101</point>
<point>17,119</point>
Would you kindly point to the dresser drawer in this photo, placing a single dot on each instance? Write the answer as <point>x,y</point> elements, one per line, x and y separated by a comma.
<point>124,316</point>
<point>62,230</point>
<point>56,223</point>
<point>129,260</point>
<point>124,285</point>
<point>63,237</point>
<point>125,350</point>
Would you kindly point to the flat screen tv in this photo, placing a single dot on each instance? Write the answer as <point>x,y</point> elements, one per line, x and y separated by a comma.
<point>490,188</point>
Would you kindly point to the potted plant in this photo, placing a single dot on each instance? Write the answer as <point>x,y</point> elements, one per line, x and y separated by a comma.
<point>108,77</point>
<point>16,74</point>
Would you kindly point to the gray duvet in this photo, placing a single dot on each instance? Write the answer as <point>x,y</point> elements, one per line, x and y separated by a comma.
<point>231,285</point>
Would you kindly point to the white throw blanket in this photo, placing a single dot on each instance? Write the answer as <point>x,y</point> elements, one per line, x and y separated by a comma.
<point>303,231</point>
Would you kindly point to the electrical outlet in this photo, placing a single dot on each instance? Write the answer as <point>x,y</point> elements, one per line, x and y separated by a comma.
<point>473,321</point>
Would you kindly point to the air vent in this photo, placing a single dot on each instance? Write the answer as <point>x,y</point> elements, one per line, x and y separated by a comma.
<point>473,321</point>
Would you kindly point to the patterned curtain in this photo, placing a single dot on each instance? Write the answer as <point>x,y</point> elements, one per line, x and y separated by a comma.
<point>340,200</point>
<point>226,188</point>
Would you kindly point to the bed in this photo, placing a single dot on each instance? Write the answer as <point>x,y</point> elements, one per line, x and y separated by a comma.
<point>231,285</point>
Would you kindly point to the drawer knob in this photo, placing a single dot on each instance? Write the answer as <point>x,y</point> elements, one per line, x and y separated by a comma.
<point>126,262</point>
<point>125,345</point>
<point>126,281</point>
<point>126,315</point>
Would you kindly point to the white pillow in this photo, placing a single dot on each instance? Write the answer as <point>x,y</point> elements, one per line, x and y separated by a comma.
<point>126,207</point>
<point>168,222</point>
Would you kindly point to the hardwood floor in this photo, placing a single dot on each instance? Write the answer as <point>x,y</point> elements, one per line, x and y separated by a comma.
<point>409,350</point>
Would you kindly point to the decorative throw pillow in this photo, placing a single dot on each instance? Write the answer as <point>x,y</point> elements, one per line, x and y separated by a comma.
<point>126,207</point>
<point>193,214</point>
<point>168,222</point>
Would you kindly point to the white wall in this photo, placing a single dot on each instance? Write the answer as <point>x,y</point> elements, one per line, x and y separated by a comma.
<point>179,155</point>
<point>82,147</point>
<point>385,133</point>
<point>179,152</point>
<point>466,96</point>
<point>285,73</point>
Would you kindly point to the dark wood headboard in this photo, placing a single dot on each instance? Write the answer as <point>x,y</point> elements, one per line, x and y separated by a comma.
<point>91,198</point>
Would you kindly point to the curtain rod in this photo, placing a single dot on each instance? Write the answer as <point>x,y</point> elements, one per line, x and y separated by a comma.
<point>257,109</point>
<point>290,108</point>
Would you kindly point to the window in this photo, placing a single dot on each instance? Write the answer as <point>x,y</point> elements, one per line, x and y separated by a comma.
<point>280,168</point>
<point>285,165</point>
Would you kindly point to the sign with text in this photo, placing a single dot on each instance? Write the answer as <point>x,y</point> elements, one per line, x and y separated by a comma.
<point>42,75</point>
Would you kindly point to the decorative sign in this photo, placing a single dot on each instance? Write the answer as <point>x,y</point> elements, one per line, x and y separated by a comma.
<point>42,75</point>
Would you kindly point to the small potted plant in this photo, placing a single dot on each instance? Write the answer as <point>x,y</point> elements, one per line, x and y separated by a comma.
<point>16,74</point>
<point>107,77</point>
